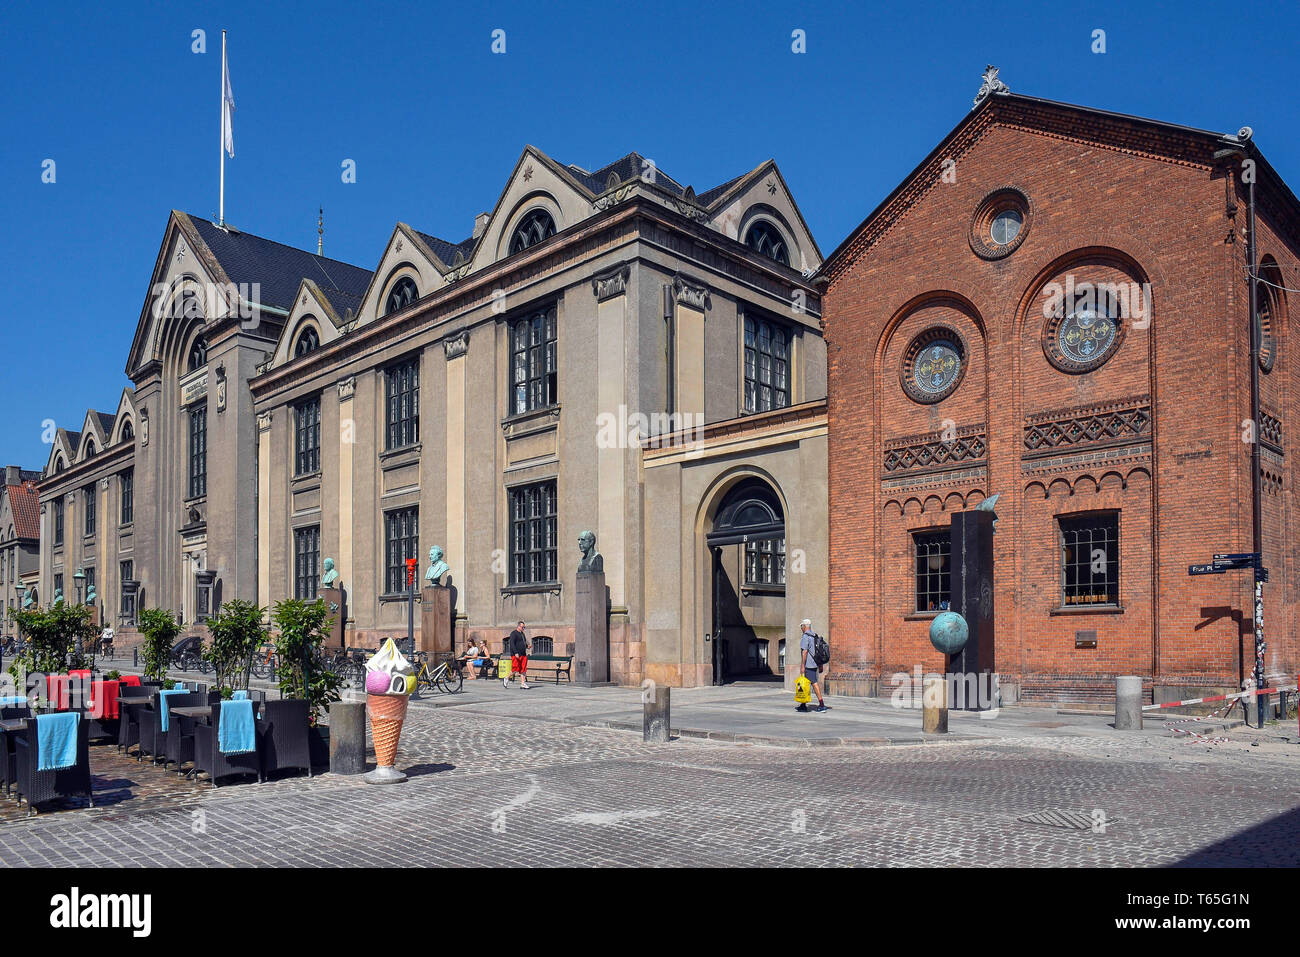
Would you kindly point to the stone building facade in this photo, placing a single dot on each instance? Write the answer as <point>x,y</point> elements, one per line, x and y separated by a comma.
<point>607,350</point>
<point>1053,308</point>
<point>20,532</point>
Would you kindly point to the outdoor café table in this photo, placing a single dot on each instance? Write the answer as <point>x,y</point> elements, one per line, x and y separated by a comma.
<point>202,712</point>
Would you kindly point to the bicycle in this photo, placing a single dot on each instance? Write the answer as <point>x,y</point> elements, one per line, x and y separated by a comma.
<point>264,662</point>
<point>446,677</point>
<point>103,647</point>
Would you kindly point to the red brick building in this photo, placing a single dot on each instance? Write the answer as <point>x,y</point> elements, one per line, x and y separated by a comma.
<point>1053,308</point>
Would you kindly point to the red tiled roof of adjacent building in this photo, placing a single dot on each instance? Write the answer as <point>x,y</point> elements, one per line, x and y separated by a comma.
<point>26,508</point>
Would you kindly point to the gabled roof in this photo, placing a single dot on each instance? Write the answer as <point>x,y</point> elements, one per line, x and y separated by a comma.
<point>25,506</point>
<point>623,169</point>
<point>446,251</point>
<point>277,268</point>
<point>105,420</point>
<point>1067,117</point>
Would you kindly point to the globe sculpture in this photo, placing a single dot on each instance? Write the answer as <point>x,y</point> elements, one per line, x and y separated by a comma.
<point>948,632</point>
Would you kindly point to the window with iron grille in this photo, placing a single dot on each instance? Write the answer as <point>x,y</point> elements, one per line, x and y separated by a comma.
<point>306,430</point>
<point>58,521</point>
<point>933,563</point>
<point>767,365</point>
<point>402,402</point>
<point>402,541</point>
<point>128,497</point>
<point>306,561</point>
<point>88,503</point>
<point>533,229</point>
<point>765,562</point>
<point>533,534</point>
<point>199,451</point>
<point>1090,559</point>
<point>125,572</point>
<point>532,350</point>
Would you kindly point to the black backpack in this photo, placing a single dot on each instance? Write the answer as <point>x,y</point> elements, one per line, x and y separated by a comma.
<point>821,650</point>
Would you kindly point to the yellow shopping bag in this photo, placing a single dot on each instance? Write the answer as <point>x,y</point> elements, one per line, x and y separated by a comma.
<point>503,667</point>
<point>802,690</point>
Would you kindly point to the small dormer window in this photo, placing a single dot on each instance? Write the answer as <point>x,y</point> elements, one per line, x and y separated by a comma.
<point>535,227</point>
<point>198,355</point>
<point>402,295</point>
<point>309,341</point>
<point>764,238</point>
<point>128,431</point>
<point>90,448</point>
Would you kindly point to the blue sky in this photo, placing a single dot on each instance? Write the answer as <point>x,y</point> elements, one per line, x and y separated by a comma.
<point>435,121</point>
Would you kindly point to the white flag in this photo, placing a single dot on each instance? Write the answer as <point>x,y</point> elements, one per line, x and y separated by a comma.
<point>227,107</point>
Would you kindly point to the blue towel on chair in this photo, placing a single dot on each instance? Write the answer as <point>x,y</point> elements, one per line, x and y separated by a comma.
<point>56,740</point>
<point>162,703</point>
<point>235,733</point>
<point>240,695</point>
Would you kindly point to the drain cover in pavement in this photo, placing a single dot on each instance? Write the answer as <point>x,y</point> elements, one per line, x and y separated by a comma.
<point>1072,820</point>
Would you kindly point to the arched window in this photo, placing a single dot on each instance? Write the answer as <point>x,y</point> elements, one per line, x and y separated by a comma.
<point>1267,332</point>
<point>128,431</point>
<point>90,447</point>
<point>59,464</point>
<point>764,238</point>
<point>198,354</point>
<point>307,342</point>
<point>402,295</point>
<point>532,229</point>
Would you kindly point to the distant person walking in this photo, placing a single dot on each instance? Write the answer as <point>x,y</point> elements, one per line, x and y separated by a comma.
<point>517,646</point>
<point>811,667</point>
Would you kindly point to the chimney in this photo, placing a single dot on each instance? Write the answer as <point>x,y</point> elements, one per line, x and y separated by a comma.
<point>480,224</point>
<point>13,475</point>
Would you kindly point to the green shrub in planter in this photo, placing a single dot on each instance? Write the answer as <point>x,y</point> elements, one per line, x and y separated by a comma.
<point>302,628</point>
<point>160,629</point>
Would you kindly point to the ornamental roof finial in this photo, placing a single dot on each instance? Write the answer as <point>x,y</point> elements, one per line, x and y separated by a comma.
<point>991,84</point>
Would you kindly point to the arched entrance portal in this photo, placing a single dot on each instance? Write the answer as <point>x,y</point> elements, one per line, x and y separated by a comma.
<point>747,549</point>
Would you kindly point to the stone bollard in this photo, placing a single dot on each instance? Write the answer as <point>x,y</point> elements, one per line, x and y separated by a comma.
<point>348,737</point>
<point>934,706</point>
<point>657,725</point>
<point>1128,703</point>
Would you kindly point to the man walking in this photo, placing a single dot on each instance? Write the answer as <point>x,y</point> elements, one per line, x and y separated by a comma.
<point>811,668</point>
<point>517,645</point>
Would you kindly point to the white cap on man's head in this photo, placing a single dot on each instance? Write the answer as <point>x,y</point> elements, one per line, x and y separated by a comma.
<point>806,621</point>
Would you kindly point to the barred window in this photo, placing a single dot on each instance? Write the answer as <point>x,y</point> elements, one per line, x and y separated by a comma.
<point>401,295</point>
<point>767,240</point>
<point>533,229</point>
<point>306,562</point>
<point>765,562</point>
<point>532,350</point>
<point>88,503</point>
<point>307,437</point>
<point>933,570</point>
<point>58,521</point>
<point>533,552</point>
<point>402,541</point>
<point>199,451</point>
<point>127,512</point>
<point>1090,559</point>
<point>767,365</point>
<point>125,572</point>
<point>402,390</point>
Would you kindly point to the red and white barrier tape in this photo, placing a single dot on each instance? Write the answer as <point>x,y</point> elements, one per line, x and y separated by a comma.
<point>1217,697</point>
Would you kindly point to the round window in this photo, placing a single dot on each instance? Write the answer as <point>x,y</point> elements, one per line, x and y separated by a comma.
<point>934,364</point>
<point>1006,226</point>
<point>1086,336</point>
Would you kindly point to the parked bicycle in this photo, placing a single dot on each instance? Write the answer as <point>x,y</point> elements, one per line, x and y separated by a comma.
<point>264,662</point>
<point>446,677</point>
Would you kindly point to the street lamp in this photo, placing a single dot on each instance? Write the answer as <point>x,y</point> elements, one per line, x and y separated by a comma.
<point>80,579</point>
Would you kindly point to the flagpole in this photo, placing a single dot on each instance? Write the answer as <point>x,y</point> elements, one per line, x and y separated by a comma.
<point>221,132</point>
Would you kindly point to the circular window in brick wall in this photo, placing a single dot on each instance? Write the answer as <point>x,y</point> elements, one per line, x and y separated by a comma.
<point>934,364</point>
<point>1001,223</point>
<point>1267,337</point>
<point>1083,337</point>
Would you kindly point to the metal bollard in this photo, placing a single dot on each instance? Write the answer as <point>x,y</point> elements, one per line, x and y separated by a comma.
<point>348,737</point>
<point>1128,703</point>
<point>934,705</point>
<point>657,714</point>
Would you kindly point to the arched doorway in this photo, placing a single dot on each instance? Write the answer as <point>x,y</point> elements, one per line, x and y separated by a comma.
<point>746,545</point>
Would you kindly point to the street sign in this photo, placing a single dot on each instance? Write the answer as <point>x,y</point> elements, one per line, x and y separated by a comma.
<point>1205,570</point>
<point>1237,557</point>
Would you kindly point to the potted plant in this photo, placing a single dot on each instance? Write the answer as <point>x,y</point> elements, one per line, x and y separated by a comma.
<point>160,628</point>
<point>235,633</point>
<point>302,628</point>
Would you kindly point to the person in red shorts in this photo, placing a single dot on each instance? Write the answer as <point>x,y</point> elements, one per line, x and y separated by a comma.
<point>517,645</point>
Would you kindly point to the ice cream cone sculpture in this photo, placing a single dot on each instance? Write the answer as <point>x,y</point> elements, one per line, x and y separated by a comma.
<point>389,681</point>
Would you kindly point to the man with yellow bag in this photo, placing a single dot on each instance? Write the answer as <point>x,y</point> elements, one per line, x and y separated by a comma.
<point>813,655</point>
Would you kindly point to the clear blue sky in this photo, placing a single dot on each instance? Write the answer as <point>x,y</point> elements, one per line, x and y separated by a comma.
<point>435,121</point>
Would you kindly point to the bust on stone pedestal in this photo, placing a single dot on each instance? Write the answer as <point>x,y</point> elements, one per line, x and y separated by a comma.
<point>591,561</point>
<point>330,577</point>
<point>437,567</point>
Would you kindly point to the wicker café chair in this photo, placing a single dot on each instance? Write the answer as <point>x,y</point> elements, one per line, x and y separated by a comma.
<point>180,736</point>
<point>128,725</point>
<point>153,739</point>
<point>283,730</point>
<point>208,757</point>
<point>41,786</point>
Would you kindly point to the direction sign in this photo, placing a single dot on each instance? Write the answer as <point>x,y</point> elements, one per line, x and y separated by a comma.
<point>1204,570</point>
<point>1237,557</point>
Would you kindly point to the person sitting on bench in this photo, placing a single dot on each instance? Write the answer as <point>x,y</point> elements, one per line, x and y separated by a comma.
<point>475,656</point>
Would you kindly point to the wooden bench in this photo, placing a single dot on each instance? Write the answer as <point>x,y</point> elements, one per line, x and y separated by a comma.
<point>555,664</point>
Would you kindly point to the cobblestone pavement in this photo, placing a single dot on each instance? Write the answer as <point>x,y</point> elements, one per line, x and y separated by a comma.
<point>488,789</point>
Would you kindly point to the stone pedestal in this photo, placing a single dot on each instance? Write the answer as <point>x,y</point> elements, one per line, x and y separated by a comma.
<point>591,631</point>
<point>337,606</point>
<point>934,706</point>
<point>348,737</point>
<point>1128,703</point>
<point>436,625</point>
<point>657,727</point>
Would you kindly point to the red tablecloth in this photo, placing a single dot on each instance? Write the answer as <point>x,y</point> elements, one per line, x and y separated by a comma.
<point>58,689</point>
<point>130,681</point>
<point>103,699</point>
